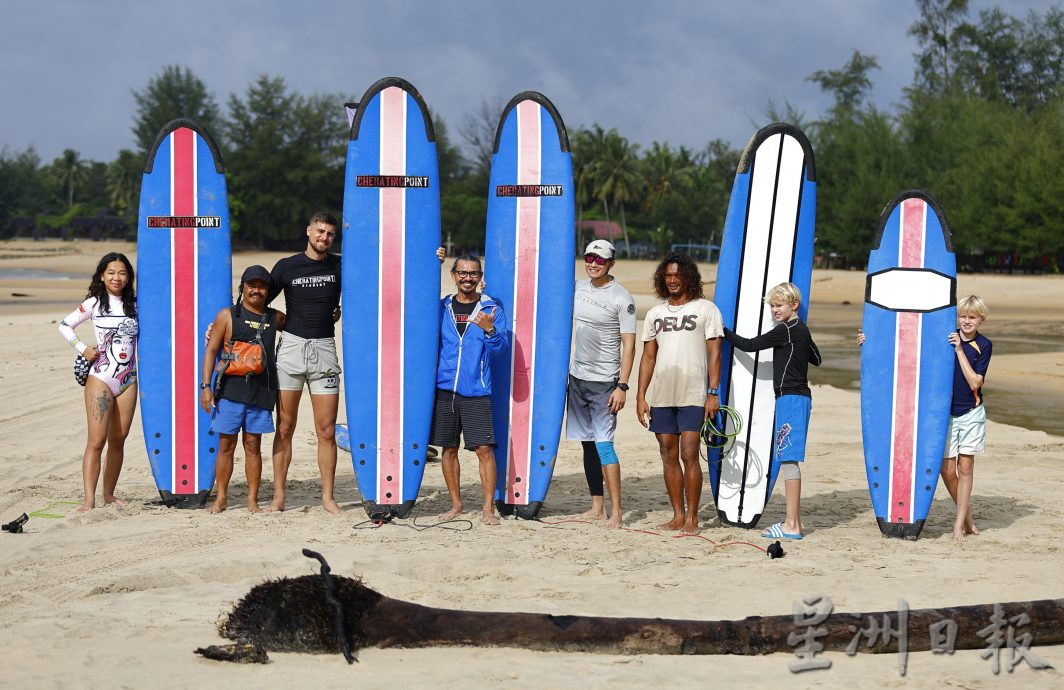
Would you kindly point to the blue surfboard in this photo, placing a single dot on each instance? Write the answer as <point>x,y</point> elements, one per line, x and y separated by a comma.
<point>768,240</point>
<point>906,361</point>
<point>184,277</point>
<point>391,230</point>
<point>528,251</point>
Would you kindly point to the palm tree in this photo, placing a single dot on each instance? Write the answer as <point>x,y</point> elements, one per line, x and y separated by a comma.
<point>666,173</point>
<point>615,174</point>
<point>71,172</point>
<point>121,179</point>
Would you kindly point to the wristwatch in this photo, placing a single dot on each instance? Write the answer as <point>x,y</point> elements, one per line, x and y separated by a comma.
<point>491,332</point>
<point>204,386</point>
<point>622,386</point>
<point>713,391</point>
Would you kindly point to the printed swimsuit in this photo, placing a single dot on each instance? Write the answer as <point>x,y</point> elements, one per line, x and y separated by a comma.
<point>116,342</point>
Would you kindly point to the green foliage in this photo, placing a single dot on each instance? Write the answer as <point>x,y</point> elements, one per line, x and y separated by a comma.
<point>175,93</point>
<point>22,188</point>
<point>850,85</point>
<point>284,157</point>
<point>123,183</point>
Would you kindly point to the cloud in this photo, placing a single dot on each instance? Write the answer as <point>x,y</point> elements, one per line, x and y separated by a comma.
<point>669,70</point>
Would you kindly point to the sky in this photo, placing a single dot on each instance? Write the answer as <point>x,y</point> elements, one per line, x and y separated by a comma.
<point>677,71</point>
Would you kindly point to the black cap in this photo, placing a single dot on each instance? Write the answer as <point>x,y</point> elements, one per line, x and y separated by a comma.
<point>256,272</point>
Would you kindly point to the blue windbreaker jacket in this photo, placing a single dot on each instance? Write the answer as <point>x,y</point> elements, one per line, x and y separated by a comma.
<point>464,366</point>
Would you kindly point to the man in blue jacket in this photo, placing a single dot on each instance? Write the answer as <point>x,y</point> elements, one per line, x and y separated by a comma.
<point>472,329</point>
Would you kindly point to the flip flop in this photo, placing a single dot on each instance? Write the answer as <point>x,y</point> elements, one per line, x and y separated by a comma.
<point>776,532</point>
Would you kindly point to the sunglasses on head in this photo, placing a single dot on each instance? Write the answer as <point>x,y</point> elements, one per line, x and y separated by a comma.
<point>595,259</point>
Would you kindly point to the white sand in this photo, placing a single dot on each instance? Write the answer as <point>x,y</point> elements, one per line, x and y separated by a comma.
<point>121,596</point>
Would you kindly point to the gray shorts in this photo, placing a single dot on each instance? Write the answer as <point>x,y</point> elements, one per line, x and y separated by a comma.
<point>312,362</point>
<point>587,410</point>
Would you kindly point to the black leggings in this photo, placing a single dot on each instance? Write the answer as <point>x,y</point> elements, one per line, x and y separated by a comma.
<point>592,468</point>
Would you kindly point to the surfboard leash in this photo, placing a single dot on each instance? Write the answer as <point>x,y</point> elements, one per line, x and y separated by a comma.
<point>42,512</point>
<point>556,524</point>
<point>715,429</point>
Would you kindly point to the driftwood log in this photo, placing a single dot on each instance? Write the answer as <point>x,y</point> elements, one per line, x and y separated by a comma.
<point>295,615</point>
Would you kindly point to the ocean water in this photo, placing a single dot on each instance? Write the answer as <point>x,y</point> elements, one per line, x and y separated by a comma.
<point>38,274</point>
<point>842,369</point>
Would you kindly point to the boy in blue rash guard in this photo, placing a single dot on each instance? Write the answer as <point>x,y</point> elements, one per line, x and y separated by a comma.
<point>793,350</point>
<point>602,356</point>
<point>472,330</point>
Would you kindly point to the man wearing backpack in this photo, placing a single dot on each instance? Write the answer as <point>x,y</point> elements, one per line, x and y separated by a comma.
<point>245,392</point>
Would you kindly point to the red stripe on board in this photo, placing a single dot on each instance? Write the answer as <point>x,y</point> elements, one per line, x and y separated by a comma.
<point>390,352</point>
<point>524,316</point>
<point>186,390</point>
<point>907,371</point>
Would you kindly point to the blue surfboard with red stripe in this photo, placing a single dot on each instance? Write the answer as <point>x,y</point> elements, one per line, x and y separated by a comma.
<point>528,254</point>
<point>906,361</point>
<point>391,230</point>
<point>184,276</point>
<point>768,240</point>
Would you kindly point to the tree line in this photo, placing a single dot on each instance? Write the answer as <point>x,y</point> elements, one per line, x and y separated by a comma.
<point>981,127</point>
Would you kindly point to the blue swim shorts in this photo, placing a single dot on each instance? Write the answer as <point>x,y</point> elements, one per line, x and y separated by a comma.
<point>792,426</point>
<point>230,417</point>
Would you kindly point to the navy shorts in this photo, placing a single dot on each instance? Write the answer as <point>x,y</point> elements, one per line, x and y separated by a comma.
<point>230,417</point>
<point>676,420</point>
<point>455,415</point>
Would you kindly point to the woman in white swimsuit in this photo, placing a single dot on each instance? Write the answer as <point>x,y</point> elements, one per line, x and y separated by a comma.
<point>111,388</point>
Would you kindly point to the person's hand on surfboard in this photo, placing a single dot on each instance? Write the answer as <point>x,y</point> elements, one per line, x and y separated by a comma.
<point>860,337</point>
<point>336,314</point>
<point>441,254</point>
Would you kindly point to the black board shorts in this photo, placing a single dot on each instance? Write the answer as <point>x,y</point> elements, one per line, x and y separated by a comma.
<point>455,415</point>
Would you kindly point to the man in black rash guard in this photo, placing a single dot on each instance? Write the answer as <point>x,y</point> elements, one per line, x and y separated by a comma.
<point>306,353</point>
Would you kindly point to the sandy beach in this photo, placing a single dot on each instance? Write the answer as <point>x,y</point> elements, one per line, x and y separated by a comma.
<point>120,596</point>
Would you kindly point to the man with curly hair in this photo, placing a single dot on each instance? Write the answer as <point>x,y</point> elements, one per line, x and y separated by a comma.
<point>679,376</point>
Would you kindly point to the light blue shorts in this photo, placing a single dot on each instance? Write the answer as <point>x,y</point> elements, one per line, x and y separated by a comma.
<point>967,433</point>
<point>792,427</point>
<point>230,417</point>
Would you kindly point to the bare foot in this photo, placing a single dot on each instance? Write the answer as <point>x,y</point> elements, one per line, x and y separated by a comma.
<point>593,514</point>
<point>275,507</point>
<point>218,506</point>
<point>253,507</point>
<point>690,527</point>
<point>675,523</point>
<point>450,514</point>
<point>86,506</point>
<point>615,521</point>
<point>108,500</point>
<point>331,506</point>
<point>958,536</point>
<point>489,518</point>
